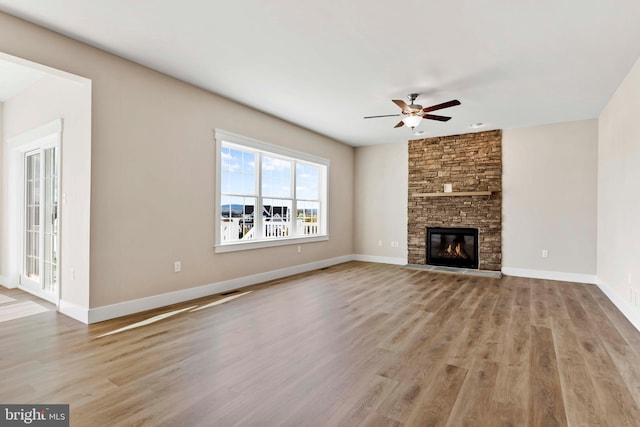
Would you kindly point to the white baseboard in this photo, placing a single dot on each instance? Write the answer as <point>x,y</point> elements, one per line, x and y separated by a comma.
<point>632,314</point>
<point>550,275</point>
<point>7,282</point>
<point>112,311</point>
<point>380,259</point>
<point>107,312</point>
<point>81,314</point>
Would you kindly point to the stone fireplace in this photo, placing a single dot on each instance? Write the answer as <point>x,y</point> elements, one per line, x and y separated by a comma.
<point>472,165</point>
<point>452,247</point>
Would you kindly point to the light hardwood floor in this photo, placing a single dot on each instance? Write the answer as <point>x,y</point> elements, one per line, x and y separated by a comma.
<point>355,344</point>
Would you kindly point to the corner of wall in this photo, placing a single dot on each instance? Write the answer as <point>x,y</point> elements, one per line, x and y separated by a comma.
<point>632,315</point>
<point>74,311</point>
<point>618,204</point>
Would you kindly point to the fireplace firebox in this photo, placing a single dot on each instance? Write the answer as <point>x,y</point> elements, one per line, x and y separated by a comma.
<point>452,247</point>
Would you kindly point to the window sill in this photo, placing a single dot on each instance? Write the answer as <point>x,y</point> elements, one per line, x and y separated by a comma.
<point>258,244</point>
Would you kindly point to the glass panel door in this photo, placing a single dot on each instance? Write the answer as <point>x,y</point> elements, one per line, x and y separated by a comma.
<point>32,217</point>
<point>50,221</point>
<point>40,271</point>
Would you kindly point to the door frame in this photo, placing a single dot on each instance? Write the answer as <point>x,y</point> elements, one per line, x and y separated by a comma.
<point>46,136</point>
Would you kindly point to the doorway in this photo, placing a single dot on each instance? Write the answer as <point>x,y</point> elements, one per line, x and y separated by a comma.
<point>45,183</point>
<point>40,220</point>
<point>33,160</point>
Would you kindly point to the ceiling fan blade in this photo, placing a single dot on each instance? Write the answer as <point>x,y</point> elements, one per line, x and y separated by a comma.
<point>441,106</point>
<point>387,115</point>
<point>401,104</point>
<point>435,117</point>
<point>399,125</point>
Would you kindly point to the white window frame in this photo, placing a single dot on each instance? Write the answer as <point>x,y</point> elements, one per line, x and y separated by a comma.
<point>254,145</point>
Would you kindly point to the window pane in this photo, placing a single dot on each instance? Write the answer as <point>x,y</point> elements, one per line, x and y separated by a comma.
<point>276,177</point>
<point>236,222</point>
<point>307,217</point>
<point>238,171</point>
<point>248,184</point>
<point>248,163</point>
<point>277,217</point>
<point>290,187</point>
<point>307,181</point>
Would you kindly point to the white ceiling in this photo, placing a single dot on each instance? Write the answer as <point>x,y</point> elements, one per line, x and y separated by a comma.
<point>324,65</point>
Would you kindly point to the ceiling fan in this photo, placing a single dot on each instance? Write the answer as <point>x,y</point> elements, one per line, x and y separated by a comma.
<point>412,114</point>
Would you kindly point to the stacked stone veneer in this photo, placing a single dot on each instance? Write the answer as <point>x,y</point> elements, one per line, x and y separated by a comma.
<point>470,162</point>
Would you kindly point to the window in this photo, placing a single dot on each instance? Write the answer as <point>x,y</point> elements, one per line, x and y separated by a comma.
<point>267,195</point>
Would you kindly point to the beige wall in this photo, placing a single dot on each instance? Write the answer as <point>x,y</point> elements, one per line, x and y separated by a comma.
<point>381,181</point>
<point>619,192</point>
<point>152,173</point>
<point>549,197</point>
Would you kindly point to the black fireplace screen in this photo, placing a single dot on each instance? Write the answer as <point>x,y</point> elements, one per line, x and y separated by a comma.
<point>452,247</point>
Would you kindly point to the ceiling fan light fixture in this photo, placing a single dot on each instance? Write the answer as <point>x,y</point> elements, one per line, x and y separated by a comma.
<point>412,120</point>
<point>413,113</point>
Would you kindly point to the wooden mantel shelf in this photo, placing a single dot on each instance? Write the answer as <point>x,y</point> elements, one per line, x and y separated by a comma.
<point>453,194</point>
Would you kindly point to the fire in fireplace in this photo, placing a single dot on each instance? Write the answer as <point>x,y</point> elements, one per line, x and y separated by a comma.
<point>452,247</point>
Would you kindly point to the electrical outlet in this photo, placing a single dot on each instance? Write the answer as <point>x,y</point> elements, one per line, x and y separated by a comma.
<point>73,274</point>
<point>299,249</point>
<point>545,253</point>
<point>177,266</point>
<point>379,242</point>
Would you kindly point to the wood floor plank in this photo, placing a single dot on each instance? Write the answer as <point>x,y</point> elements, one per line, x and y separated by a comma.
<point>435,405</point>
<point>622,354</point>
<point>354,412</point>
<point>539,311</point>
<point>510,404</point>
<point>578,390</point>
<point>615,398</point>
<point>491,347</point>
<point>403,333</point>
<point>411,357</point>
<point>399,405</point>
<point>470,408</point>
<point>354,344</point>
<point>334,389</point>
<point>547,405</point>
<point>516,347</point>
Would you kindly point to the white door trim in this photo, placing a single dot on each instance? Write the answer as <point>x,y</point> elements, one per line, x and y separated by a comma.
<point>45,136</point>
